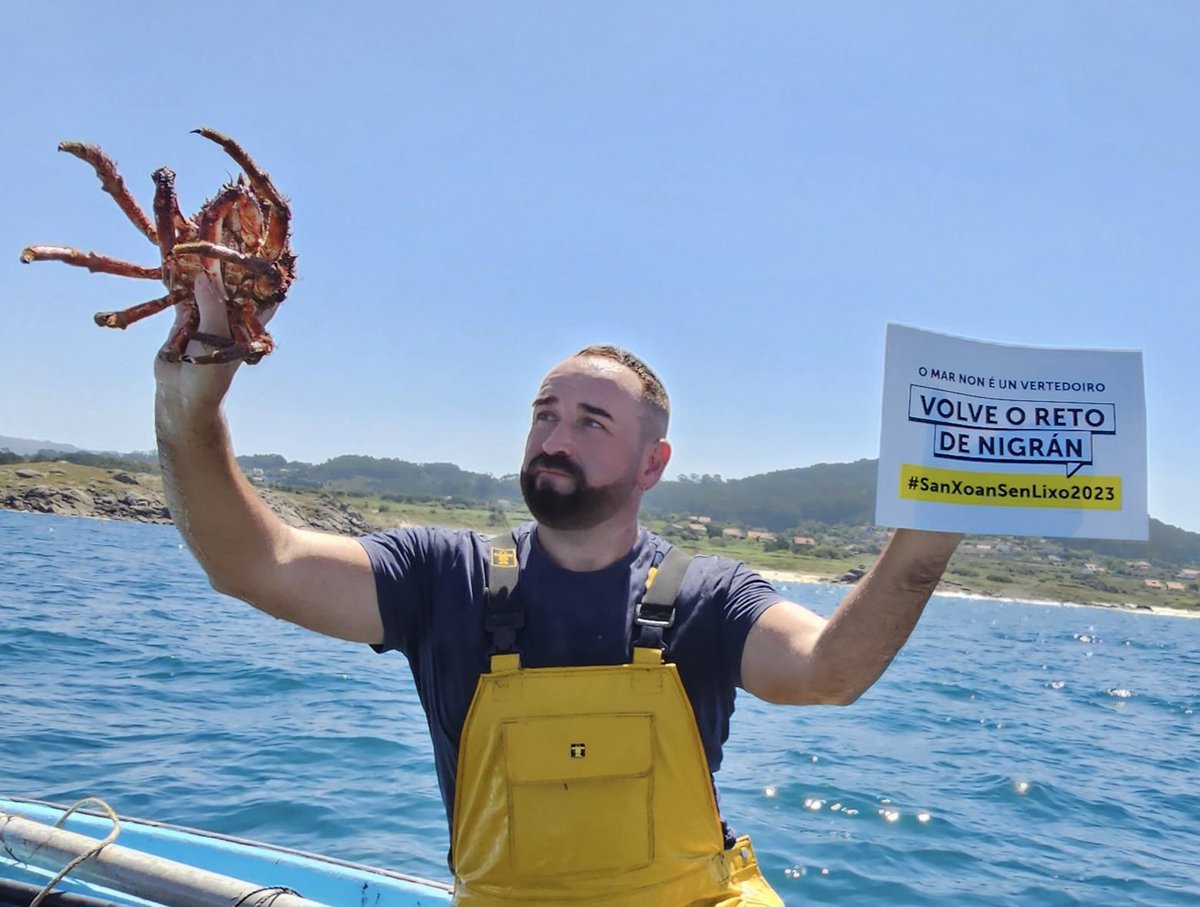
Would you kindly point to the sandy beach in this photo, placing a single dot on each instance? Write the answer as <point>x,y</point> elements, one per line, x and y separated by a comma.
<point>787,576</point>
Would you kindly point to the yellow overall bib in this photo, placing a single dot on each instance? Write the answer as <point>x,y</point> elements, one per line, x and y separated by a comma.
<point>589,785</point>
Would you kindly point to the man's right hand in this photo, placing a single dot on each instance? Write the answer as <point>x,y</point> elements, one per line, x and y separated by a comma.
<point>188,389</point>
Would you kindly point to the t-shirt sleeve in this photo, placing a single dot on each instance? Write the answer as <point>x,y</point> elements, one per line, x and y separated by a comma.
<point>399,560</point>
<point>748,595</point>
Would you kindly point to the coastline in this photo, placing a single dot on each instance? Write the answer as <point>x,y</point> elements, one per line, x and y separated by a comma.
<point>787,576</point>
<point>106,493</point>
<point>66,489</point>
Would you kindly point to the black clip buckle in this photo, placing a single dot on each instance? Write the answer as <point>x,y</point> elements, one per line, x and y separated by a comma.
<point>667,619</point>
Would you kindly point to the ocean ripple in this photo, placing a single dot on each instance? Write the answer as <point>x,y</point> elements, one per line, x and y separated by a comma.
<point>1014,754</point>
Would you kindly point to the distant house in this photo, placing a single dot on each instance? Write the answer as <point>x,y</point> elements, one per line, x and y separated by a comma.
<point>1153,584</point>
<point>1175,587</point>
<point>760,535</point>
<point>803,541</point>
<point>1140,565</point>
<point>732,532</point>
<point>697,527</point>
<point>1094,568</point>
<point>1188,573</point>
<point>701,519</point>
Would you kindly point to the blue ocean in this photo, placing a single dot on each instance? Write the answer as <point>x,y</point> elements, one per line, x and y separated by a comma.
<point>1015,754</point>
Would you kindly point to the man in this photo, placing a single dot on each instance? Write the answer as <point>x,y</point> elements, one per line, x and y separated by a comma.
<point>576,719</point>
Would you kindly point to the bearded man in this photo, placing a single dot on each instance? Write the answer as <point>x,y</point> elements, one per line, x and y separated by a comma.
<point>577,674</point>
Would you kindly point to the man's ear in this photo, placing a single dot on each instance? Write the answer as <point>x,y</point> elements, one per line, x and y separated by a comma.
<point>658,455</point>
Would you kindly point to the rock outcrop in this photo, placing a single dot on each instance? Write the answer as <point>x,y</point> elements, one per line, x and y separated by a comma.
<point>147,505</point>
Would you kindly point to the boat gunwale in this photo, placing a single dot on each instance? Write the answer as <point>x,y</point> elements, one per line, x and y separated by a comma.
<point>247,843</point>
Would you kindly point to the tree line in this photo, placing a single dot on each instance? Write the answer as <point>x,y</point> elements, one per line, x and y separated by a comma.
<point>825,494</point>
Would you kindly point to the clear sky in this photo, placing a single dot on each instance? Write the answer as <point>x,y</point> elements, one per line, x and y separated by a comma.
<point>744,194</point>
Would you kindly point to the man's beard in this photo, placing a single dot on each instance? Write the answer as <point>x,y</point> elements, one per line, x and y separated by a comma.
<point>584,507</point>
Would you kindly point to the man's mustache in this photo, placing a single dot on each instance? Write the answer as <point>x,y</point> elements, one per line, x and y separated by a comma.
<point>558,462</point>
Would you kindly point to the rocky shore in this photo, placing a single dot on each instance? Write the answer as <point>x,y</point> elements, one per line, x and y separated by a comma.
<point>69,490</point>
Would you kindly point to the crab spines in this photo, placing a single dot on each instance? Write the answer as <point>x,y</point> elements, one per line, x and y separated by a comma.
<point>233,207</point>
<point>276,211</point>
<point>112,183</point>
<point>258,177</point>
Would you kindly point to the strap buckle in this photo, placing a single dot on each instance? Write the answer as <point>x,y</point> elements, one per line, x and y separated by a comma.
<point>660,616</point>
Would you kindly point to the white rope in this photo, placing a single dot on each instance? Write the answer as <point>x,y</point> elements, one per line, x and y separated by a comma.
<point>87,854</point>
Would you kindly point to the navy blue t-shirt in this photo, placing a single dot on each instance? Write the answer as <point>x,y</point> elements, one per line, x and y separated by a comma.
<point>431,582</point>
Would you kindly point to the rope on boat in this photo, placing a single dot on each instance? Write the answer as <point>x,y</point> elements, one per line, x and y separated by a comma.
<point>4,843</point>
<point>263,897</point>
<point>153,879</point>
<point>87,854</point>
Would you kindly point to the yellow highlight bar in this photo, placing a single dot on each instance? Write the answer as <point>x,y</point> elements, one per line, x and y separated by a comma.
<point>1003,489</point>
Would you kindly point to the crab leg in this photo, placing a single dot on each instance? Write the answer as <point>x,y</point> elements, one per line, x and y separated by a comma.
<point>278,213</point>
<point>168,219</point>
<point>214,340</point>
<point>166,209</point>
<point>251,344</point>
<point>248,352</point>
<point>258,177</point>
<point>170,223</point>
<point>126,317</point>
<point>93,261</point>
<point>258,342</point>
<point>251,354</point>
<point>111,182</point>
<point>174,350</point>
<point>252,263</point>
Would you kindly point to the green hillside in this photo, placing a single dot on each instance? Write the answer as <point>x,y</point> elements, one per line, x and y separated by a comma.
<point>805,501</point>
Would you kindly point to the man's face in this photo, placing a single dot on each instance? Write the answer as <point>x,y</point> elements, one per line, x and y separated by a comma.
<point>585,457</point>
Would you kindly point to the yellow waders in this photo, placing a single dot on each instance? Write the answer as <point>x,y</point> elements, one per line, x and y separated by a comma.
<point>590,786</point>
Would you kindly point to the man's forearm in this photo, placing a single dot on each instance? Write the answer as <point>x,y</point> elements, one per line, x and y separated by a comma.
<point>218,512</point>
<point>877,616</point>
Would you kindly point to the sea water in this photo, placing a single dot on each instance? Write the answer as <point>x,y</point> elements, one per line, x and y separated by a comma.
<point>1014,754</point>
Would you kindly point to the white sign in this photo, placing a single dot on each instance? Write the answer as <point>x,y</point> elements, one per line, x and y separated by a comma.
<point>1011,440</point>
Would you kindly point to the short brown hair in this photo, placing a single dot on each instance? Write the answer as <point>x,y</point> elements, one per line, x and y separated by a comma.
<point>654,394</point>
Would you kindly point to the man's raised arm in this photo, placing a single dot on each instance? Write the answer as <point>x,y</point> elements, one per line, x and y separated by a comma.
<point>320,581</point>
<point>796,657</point>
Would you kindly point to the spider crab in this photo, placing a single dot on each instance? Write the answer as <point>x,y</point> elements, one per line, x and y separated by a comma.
<point>239,236</point>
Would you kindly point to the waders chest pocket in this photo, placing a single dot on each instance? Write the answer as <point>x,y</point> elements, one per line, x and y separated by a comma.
<point>580,790</point>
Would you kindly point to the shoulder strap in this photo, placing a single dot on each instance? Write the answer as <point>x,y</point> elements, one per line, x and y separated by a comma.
<point>503,613</point>
<point>656,610</point>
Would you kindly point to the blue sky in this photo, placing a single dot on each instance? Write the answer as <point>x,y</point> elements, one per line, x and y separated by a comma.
<point>744,194</point>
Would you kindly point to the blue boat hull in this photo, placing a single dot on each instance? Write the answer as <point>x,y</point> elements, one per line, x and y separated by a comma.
<point>321,879</point>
